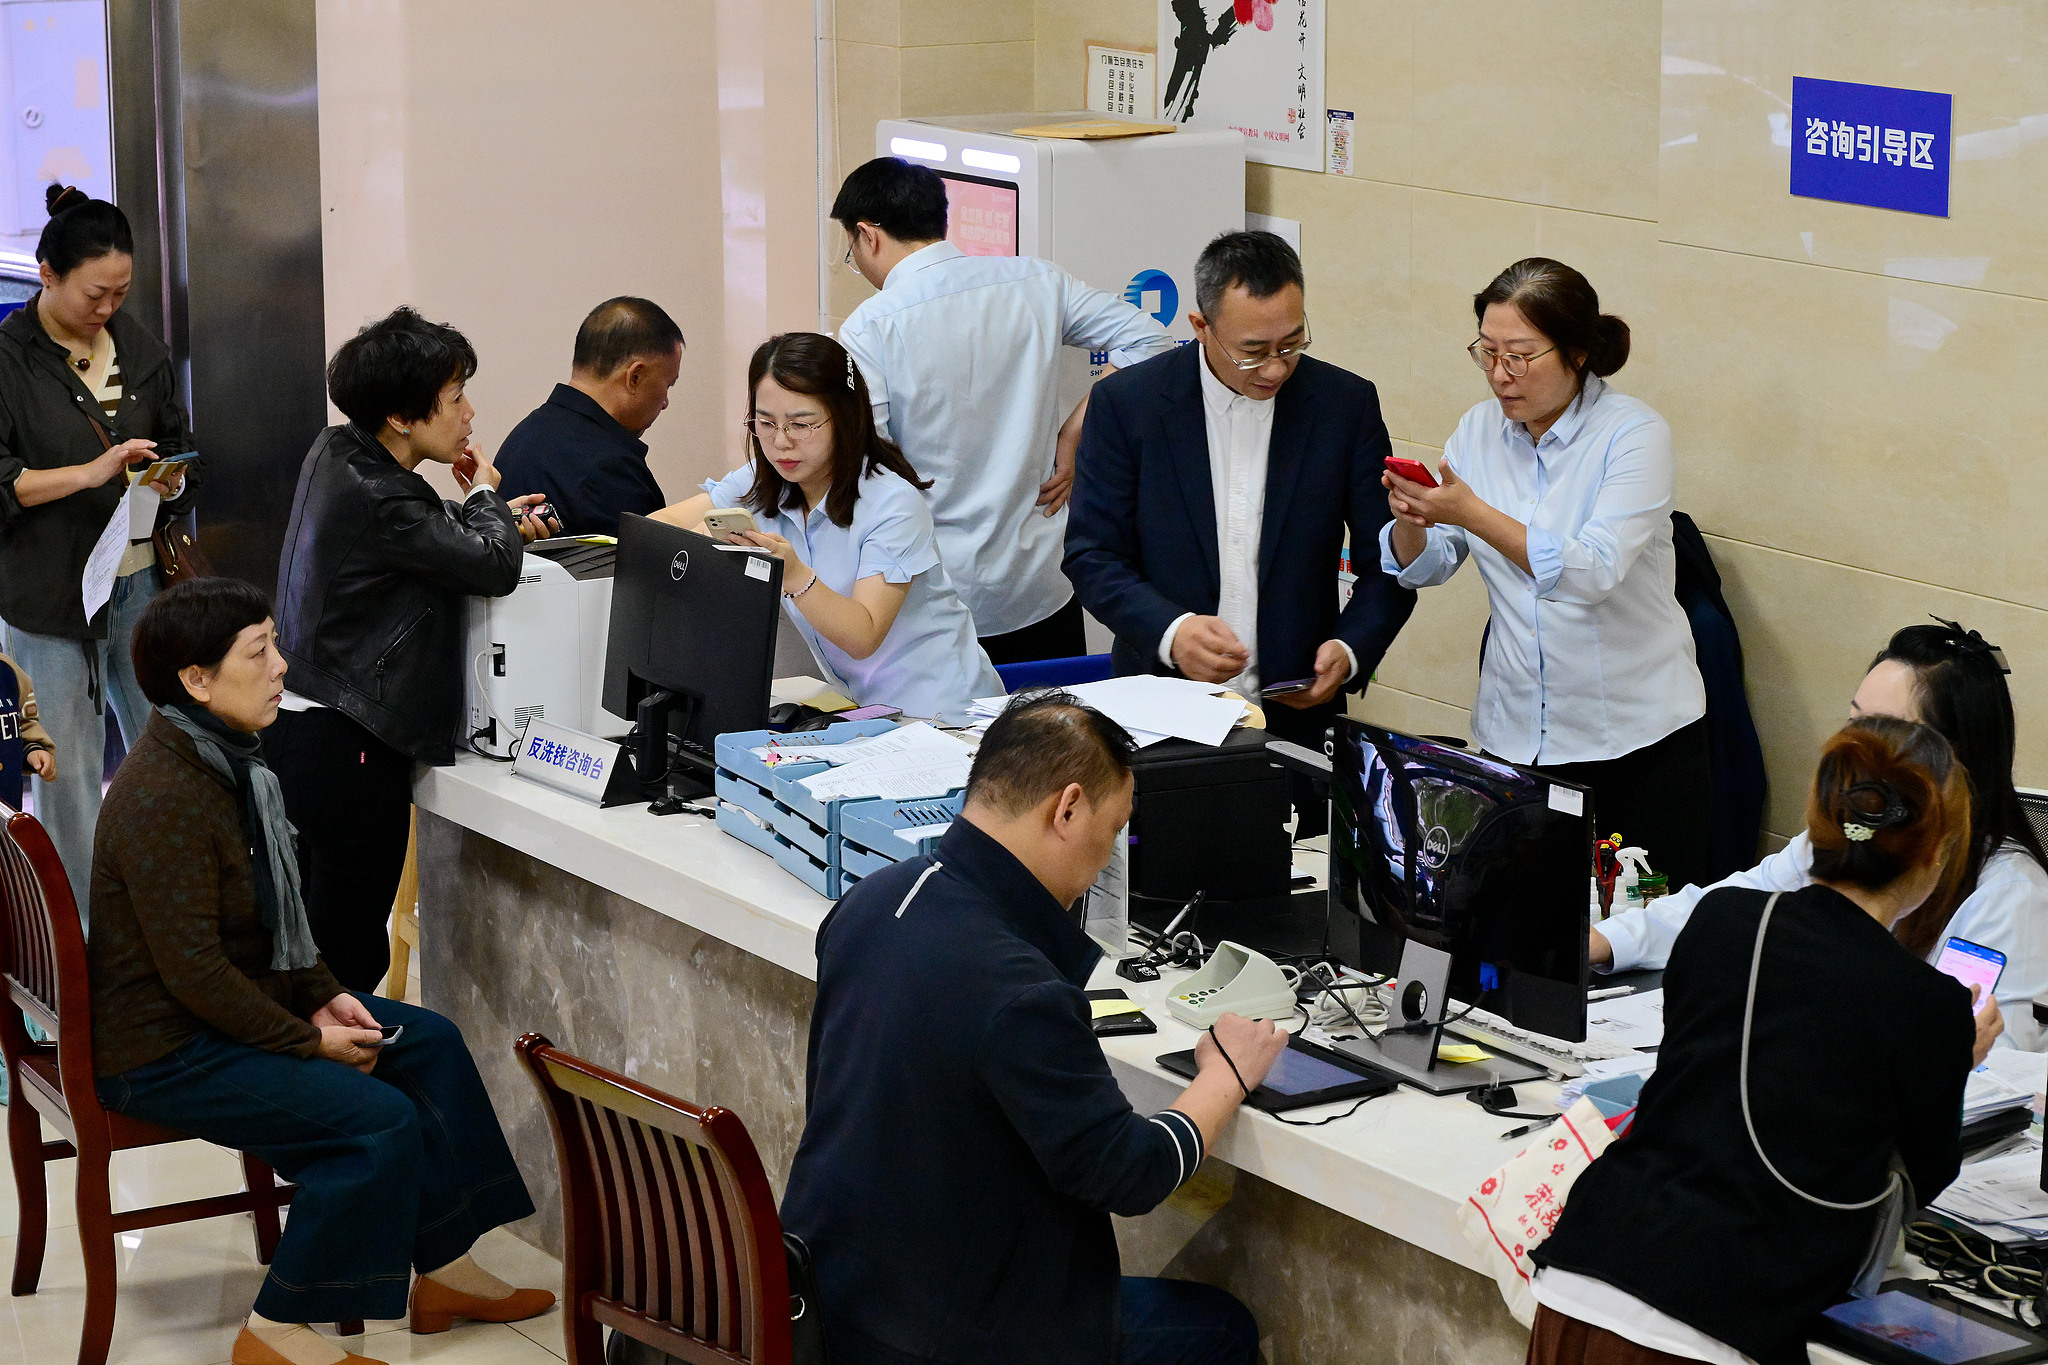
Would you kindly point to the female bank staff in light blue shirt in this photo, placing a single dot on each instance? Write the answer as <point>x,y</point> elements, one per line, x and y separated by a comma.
<point>1561,489</point>
<point>846,514</point>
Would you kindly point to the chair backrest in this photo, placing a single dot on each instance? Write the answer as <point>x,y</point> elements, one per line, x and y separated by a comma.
<point>670,1230</point>
<point>42,952</point>
<point>2035,804</point>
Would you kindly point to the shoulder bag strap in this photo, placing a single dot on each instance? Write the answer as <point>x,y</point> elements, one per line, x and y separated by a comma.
<point>1742,1080</point>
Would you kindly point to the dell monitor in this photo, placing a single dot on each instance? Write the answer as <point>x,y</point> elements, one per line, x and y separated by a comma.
<point>692,649</point>
<point>1488,861</point>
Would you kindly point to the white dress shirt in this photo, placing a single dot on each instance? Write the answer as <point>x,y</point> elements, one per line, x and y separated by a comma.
<point>1240,432</point>
<point>2007,910</point>
<point>1591,657</point>
<point>962,359</point>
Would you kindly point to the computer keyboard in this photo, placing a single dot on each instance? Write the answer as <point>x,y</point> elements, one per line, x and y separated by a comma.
<point>1569,1059</point>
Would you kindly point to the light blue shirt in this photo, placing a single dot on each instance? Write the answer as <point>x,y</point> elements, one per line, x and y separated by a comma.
<point>962,359</point>
<point>1591,657</point>
<point>2007,910</point>
<point>929,663</point>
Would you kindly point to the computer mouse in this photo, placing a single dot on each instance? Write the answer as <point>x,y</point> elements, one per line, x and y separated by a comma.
<point>794,715</point>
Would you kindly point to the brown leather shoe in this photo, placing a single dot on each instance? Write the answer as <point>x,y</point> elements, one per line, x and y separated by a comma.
<point>435,1306</point>
<point>251,1349</point>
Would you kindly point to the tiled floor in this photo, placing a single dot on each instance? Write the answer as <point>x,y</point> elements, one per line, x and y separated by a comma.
<point>184,1289</point>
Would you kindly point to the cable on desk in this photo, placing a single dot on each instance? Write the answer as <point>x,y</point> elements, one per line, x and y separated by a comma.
<point>1967,1262</point>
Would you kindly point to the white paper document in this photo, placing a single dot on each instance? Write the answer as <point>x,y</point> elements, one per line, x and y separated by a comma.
<point>1151,708</point>
<point>899,783</point>
<point>1635,1021</point>
<point>909,761</point>
<point>1986,1093</point>
<point>2004,1190</point>
<point>97,585</point>
<point>917,835</point>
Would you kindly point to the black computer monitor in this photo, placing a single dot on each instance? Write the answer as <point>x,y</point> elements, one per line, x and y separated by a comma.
<point>692,648</point>
<point>1488,861</point>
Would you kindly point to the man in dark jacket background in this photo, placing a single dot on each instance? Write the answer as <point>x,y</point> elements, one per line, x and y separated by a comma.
<point>966,1143</point>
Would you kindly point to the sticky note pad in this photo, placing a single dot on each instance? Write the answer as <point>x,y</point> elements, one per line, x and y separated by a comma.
<point>1103,1009</point>
<point>1460,1052</point>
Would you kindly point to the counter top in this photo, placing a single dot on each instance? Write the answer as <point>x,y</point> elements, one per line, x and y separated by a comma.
<point>1403,1163</point>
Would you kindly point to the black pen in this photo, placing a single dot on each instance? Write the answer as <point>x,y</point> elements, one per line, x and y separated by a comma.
<point>1525,1129</point>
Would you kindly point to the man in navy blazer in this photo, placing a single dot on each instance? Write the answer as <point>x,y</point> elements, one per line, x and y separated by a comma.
<point>1212,493</point>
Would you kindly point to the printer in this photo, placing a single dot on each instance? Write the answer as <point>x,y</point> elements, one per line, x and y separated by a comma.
<point>539,651</point>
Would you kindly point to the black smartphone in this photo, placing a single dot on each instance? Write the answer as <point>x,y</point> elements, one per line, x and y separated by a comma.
<point>1281,689</point>
<point>392,1033</point>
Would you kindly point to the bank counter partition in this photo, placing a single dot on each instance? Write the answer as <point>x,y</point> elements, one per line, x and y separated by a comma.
<point>666,949</point>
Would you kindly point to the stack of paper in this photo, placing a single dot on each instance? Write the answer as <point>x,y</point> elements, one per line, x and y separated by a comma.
<point>910,761</point>
<point>1632,1021</point>
<point>1150,708</point>
<point>1987,1093</point>
<point>2003,1195</point>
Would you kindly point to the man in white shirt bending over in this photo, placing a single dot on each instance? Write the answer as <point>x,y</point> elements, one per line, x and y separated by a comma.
<point>962,359</point>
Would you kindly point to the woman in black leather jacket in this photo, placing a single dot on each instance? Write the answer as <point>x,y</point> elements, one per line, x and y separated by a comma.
<point>370,616</point>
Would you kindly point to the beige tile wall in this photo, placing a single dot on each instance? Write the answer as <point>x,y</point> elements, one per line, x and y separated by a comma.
<point>1844,384</point>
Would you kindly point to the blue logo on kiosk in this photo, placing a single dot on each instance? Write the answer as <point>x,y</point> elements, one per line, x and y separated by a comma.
<point>1165,300</point>
<point>1871,144</point>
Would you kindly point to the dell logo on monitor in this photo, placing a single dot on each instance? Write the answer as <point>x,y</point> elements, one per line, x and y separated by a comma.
<point>1436,847</point>
<point>679,566</point>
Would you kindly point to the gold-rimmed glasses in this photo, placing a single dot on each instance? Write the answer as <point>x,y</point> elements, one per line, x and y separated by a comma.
<point>1250,363</point>
<point>1485,356</point>
<point>764,428</point>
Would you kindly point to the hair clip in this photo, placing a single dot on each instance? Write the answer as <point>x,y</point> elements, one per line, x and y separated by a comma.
<point>849,369</point>
<point>1860,826</point>
<point>1970,642</point>
<point>1857,834</point>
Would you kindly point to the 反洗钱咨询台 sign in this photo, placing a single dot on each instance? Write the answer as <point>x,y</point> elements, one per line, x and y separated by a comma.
<point>1871,144</point>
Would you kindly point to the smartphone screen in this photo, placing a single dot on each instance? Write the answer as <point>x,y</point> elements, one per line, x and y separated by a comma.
<point>1972,964</point>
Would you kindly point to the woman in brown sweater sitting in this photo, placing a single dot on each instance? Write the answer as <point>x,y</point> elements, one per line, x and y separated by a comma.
<point>213,1013</point>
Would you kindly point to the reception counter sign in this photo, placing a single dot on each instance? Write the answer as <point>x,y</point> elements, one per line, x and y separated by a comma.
<point>1871,144</point>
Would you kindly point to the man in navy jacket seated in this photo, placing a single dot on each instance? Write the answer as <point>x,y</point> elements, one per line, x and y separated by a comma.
<point>966,1143</point>
<point>1211,495</point>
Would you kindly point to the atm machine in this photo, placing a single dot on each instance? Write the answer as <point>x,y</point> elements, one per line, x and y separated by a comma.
<point>1128,215</point>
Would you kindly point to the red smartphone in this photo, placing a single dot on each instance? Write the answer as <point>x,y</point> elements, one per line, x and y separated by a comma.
<point>1415,471</point>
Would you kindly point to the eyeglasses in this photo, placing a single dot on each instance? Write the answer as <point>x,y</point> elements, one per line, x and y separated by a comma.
<point>847,259</point>
<point>1515,365</point>
<point>1248,363</point>
<point>764,429</point>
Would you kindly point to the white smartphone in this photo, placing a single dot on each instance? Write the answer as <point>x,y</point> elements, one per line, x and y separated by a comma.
<point>721,522</point>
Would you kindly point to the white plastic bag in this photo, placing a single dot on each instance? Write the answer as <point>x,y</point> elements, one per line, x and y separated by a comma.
<point>1517,1206</point>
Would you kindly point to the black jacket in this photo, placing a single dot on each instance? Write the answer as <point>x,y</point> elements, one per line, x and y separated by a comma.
<point>1141,530</point>
<point>370,589</point>
<point>44,411</point>
<point>966,1143</point>
<point>1860,1048</point>
<point>587,465</point>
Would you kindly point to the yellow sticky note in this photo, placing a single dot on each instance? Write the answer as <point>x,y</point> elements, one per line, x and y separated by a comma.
<point>1103,1009</point>
<point>1460,1052</point>
<point>830,701</point>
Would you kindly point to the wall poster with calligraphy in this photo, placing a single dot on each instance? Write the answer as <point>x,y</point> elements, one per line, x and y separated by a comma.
<point>1252,65</point>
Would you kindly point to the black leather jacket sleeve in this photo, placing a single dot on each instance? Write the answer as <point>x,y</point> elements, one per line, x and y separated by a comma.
<point>473,548</point>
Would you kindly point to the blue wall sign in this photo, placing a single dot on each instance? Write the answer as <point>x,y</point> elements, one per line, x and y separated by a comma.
<point>1871,144</point>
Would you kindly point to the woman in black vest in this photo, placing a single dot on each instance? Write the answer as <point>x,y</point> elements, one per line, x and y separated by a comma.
<point>1806,1056</point>
<point>86,395</point>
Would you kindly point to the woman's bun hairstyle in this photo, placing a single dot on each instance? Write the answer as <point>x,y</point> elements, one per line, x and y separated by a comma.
<point>1889,797</point>
<point>80,229</point>
<point>1560,303</point>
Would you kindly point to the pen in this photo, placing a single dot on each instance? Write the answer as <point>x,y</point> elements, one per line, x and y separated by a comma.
<point>1525,1129</point>
<point>1609,992</point>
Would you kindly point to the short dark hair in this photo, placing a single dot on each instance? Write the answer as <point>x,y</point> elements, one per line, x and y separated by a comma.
<point>903,199</point>
<point>397,367</point>
<point>190,624</point>
<point>620,331</point>
<point>1042,741</point>
<point>1562,304</point>
<point>1260,261</point>
<point>80,229</point>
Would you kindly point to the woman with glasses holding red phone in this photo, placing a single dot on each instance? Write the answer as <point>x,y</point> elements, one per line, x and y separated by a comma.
<point>1560,488</point>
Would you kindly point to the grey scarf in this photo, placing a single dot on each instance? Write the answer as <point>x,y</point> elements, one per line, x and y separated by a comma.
<point>239,758</point>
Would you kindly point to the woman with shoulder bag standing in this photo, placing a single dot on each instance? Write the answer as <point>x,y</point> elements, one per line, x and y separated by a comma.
<point>1809,1089</point>
<point>87,397</point>
<point>370,614</point>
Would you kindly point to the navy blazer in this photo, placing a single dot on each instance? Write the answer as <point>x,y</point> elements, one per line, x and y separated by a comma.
<point>1141,529</point>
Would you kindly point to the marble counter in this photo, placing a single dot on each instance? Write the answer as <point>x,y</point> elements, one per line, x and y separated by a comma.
<point>535,914</point>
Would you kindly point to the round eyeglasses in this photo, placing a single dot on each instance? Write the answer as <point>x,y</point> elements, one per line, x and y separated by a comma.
<point>1250,363</point>
<point>1516,365</point>
<point>764,429</point>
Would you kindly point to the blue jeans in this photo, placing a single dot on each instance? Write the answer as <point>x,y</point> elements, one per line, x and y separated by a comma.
<point>405,1167</point>
<point>64,672</point>
<point>1179,1322</point>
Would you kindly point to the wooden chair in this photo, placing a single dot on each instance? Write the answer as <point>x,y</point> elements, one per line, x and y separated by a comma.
<point>43,972</point>
<point>670,1233</point>
<point>405,917</point>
